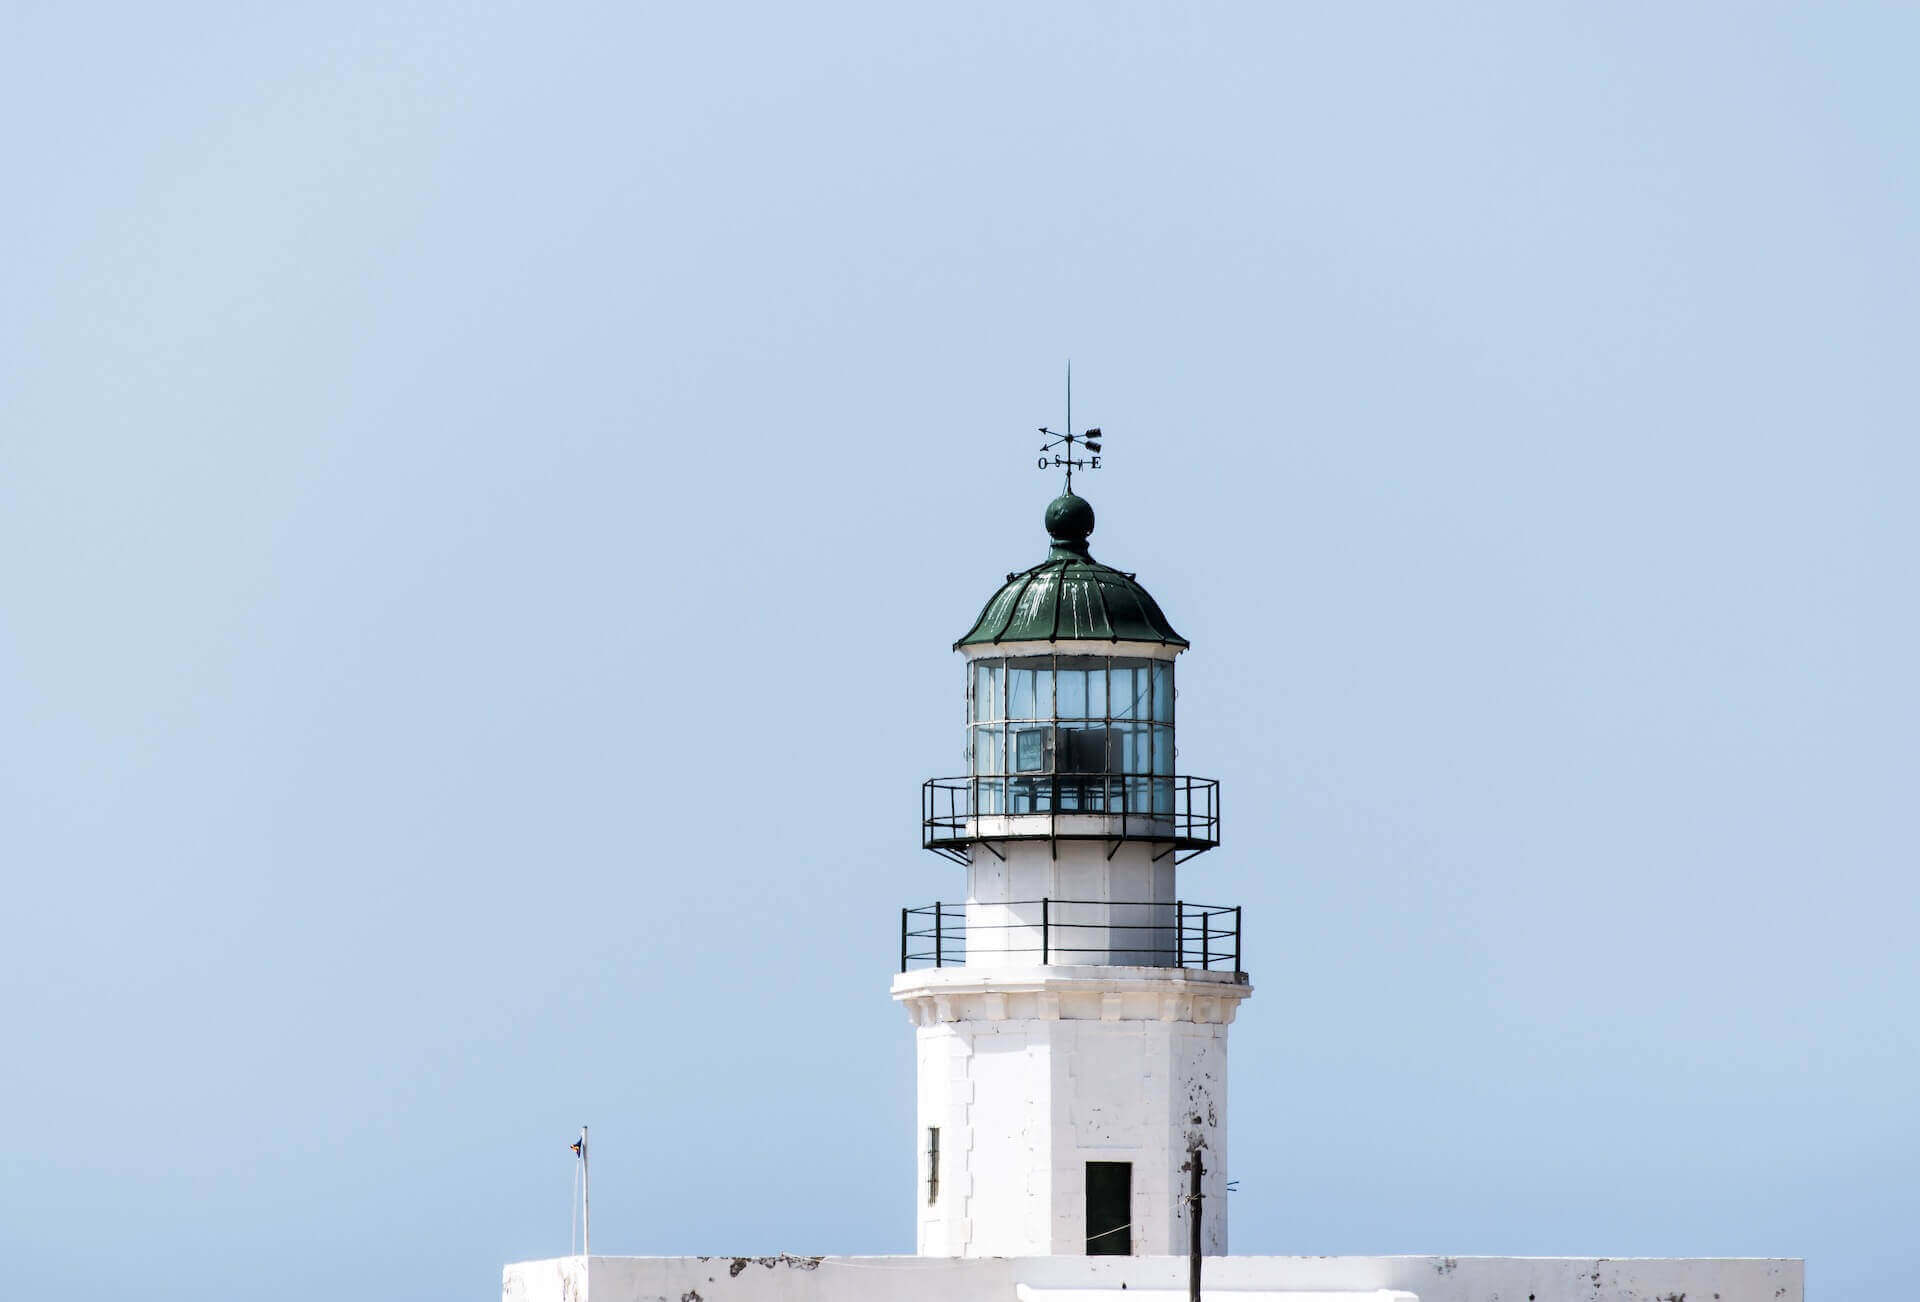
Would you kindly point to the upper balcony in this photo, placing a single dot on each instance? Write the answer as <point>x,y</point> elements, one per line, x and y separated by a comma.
<point>1074,933</point>
<point>1180,815</point>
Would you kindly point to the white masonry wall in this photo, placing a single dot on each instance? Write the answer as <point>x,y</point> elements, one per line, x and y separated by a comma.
<point>1102,909</point>
<point>1032,1073</point>
<point>785,1278</point>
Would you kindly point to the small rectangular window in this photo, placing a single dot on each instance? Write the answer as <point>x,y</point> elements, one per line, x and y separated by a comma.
<point>1030,750</point>
<point>1109,1209</point>
<point>933,1165</point>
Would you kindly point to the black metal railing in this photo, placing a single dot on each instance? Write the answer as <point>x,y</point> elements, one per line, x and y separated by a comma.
<point>1168,933</point>
<point>1178,812</point>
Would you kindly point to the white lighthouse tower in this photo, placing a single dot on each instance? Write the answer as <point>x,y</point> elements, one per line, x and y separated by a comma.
<point>1071,1002</point>
<point>1071,1008</point>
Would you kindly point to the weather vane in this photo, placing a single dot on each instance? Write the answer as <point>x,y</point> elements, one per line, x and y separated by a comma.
<point>1062,446</point>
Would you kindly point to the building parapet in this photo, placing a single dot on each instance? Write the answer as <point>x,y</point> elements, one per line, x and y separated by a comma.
<point>784,1277</point>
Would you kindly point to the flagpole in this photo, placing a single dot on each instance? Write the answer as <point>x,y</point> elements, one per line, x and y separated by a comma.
<point>586,1197</point>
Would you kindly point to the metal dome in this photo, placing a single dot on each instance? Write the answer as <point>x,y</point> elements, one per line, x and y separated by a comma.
<point>1070,596</point>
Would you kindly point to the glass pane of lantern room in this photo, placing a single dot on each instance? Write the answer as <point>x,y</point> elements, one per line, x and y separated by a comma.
<point>989,755</point>
<point>1132,689</point>
<point>1121,676</point>
<point>1163,691</point>
<point>1082,687</point>
<point>1020,703</point>
<point>1030,688</point>
<point>988,675</point>
<point>1073,691</point>
<point>1083,748</point>
<point>1127,745</point>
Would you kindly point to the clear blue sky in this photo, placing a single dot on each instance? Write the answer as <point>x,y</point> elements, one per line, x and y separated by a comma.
<point>486,493</point>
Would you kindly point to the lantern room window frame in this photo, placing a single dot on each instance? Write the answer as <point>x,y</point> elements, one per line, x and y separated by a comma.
<point>1058,732</point>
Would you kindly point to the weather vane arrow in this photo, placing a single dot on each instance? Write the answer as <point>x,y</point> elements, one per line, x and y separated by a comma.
<point>1058,452</point>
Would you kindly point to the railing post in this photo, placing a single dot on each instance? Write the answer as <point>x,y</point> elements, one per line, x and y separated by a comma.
<point>1046,941</point>
<point>939,941</point>
<point>1206,940</point>
<point>1236,940</point>
<point>1179,934</point>
<point>903,939</point>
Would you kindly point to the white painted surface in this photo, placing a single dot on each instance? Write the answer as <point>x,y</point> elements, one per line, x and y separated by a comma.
<point>1074,993</point>
<point>1028,1293</point>
<point>1136,828</point>
<point>1098,646</point>
<point>1121,909</point>
<point>1031,1073</point>
<point>556,1279</point>
<point>784,1278</point>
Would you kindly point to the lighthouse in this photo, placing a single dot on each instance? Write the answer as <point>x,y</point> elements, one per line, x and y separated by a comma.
<point>1070,990</point>
<point>1070,1001</point>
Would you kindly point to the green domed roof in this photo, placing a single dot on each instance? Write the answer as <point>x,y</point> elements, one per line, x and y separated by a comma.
<point>1071,596</point>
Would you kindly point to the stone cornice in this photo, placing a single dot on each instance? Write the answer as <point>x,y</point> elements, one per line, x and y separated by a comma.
<point>1106,994</point>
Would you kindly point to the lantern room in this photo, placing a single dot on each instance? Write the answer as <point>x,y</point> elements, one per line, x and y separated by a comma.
<point>1070,712</point>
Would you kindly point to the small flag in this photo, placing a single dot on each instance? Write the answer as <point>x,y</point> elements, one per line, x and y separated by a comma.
<point>578,1145</point>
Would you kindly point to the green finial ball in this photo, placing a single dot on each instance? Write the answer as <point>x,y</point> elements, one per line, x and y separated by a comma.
<point>1069,518</point>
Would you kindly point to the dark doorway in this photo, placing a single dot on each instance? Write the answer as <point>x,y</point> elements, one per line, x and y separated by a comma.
<point>1109,1209</point>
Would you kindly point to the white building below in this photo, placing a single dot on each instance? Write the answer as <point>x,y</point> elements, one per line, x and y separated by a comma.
<point>1152,1279</point>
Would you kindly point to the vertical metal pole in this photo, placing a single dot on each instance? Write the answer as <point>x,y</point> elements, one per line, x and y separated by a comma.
<point>1179,933</point>
<point>903,939</point>
<point>1193,1240</point>
<point>586,1196</point>
<point>1236,940</point>
<point>939,941</point>
<point>1206,939</point>
<point>1046,941</point>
